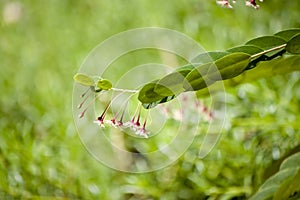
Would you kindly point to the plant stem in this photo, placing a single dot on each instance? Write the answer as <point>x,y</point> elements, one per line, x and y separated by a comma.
<point>267,51</point>
<point>124,90</point>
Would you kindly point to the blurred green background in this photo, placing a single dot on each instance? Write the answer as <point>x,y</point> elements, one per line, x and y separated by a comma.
<point>42,45</point>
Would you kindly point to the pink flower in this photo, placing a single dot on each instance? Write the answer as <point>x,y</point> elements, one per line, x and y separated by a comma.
<point>100,119</point>
<point>111,122</point>
<point>142,132</point>
<point>224,3</point>
<point>100,122</point>
<point>252,3</point>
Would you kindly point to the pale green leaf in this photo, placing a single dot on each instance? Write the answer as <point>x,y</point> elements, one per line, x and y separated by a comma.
<point>288,188</point>
<point>84,79</point>
<point>291,162</point>
<point>104,84</point>
<point>147,94</point>
<point>264,194</point>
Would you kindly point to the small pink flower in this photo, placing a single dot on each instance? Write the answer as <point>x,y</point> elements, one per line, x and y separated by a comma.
<point>142,132</point>
<point>224,3</point>
<point>129,124</point>
<point>111,122</point>
<point>100,119</point>
<point>252,3</point>
<point>100,122</point>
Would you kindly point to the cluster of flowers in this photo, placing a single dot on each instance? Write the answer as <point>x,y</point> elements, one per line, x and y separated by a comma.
<point>134,124</point>
<point>116,122</point>
<point>226,3</point>
<point>139,127</point>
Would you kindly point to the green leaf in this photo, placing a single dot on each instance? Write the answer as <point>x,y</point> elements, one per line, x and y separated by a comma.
<point>172,84</point>
<point>288,187</point>
<point>232,65</point>
<point>269,188</point>
<point>284,183</point>
<point>83,79</point>
<point>291,162</point>
<point>264,194</point>
<point>147,94</point>
<point>104,84</point>
<point>186,67</point>
<point>249,49</point>
<point>278,66</point>
<point>197,78</point>
<point>209,57</point>
<point>165,89</point>
<point>227,67</point>
<point>293,46</point>
<point>153,104</point>
<point>278,178</point>
<point>288,34</point>
<point>266,42</point>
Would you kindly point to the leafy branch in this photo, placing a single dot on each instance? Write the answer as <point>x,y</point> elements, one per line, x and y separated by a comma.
<point>277,52</point>
<point>259,57</point>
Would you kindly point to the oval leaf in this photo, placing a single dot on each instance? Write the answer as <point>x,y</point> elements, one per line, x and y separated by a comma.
<point>209,57</point>
<point>104,84</point>
<point>291,162</point>
<point>197,79</point>
<point>153,104</point>
<point>84,79</point>
<point>288,34</point>
<point>185,67</point>
<point>232,65</point>
<point>266,42</point>
<point>172,84</point>
<point>147,94</point>
<point>249,49</point>
<point>293,46</point>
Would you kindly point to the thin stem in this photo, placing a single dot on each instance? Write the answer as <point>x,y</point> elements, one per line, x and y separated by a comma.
<point>139,116</point>
<point>84,100</point>
<point>124,90</point>
<point>101,118</point>
<point>85,92</point>
<point>120,122</point>
<point>89,104</point>
<point>267,51</point>
<point>145,122</point>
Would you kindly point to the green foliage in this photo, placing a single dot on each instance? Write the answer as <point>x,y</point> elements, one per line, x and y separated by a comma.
<point>288,34</point>
<point>104,84</point>
<point>266,42</point>
<point>84,79</point>
<point>293,45</point>
<point>285,184</point>
<point>249,49</point>
<point>96,85</point>
<point>220,66</point>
